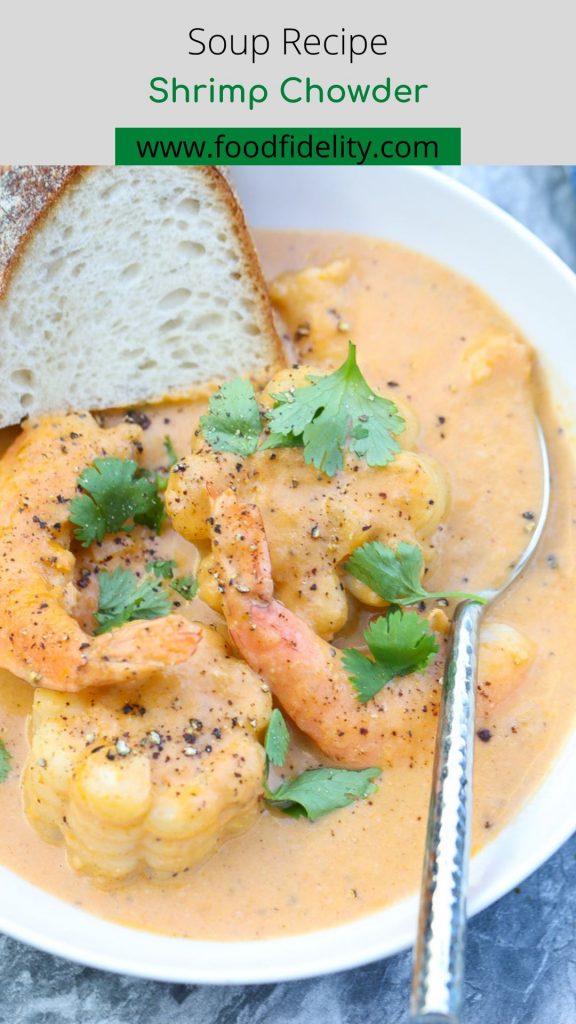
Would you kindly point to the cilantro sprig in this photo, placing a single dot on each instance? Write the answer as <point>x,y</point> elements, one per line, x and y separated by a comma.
<point>233,423</point>
<point>170,451</point>
<point>333,413</point>
<point>162,477</point>
<point>277,739</point>
<point>118,494</point>
<point>123,598</point>
<point>163,568</point>
<point>336,412</point>
<point>5,761</point>
<point>316,791</point>
<point>400,643</point>
<point>395,574</point>
<point>186,586</point>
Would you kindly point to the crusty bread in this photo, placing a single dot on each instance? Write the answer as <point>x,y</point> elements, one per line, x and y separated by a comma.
<point>124,284</point>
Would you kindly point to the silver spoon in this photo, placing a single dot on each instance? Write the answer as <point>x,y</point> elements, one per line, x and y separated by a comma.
<point>437,983</point>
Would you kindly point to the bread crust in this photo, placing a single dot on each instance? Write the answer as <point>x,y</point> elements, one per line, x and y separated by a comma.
<point>29,193</point>
<point>253,268</point>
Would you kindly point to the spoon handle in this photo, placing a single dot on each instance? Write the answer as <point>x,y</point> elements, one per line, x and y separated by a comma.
<point>439,954</point>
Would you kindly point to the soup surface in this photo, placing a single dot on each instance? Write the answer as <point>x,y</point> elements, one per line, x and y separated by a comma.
<point>432,339</point>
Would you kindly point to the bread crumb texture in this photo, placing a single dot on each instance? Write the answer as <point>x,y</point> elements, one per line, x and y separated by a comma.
<point>124,284</point>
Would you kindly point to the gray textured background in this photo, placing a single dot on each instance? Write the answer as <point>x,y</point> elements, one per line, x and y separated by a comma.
<point>521,965</point>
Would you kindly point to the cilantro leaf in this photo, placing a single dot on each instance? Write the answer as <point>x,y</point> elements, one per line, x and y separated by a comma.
<point>163,568</point>
<point>367,677</point>
<point>395,575</point>
<point>232,423</point>
<point>5,759</point>
<point>118,495</point>
<point>400,643</point>
<point>186,586</point>
<point>124,598</point>
<point>320,790</point>
<point>275,440</point>
<point>317,791</point>
<point>170,451</point>
<point>89,519</point>
<point>277,739</point>
<point>334,412</point>
<point>403,640</point>
<point>154,514</point>
<point>162,477</point>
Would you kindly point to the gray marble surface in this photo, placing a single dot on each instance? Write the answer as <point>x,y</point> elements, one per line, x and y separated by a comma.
<point>521,963</point>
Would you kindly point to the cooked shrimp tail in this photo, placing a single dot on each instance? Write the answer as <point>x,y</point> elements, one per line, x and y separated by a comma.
<point>135,649</point>
<point>40,639</point>
<point>305,672</point>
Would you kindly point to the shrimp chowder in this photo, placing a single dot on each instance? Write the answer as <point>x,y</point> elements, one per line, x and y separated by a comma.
<point>135,788</point>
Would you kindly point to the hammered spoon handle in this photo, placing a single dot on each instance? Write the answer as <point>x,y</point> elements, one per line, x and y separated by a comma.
<point>439,953</point>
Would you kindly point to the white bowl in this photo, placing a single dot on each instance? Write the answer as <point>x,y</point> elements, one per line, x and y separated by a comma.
<point>428,212</point>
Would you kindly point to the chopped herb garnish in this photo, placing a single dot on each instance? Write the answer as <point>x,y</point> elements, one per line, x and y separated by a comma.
<point>5,761</point>
<point>155,513</point>
<point>317,791</point>
<point>232,423</point>
<point>333,413</point>
<point>186,586</point>
<point>336,412</point>
<point>320,790</point>
<point>163,568</point>
<point>400,643</point>
<point>277,739</point>
<point>162,477</point>
<point>123,598</point>
<point>170,451</point>
<point>118,495</point>
<point>395,574</point>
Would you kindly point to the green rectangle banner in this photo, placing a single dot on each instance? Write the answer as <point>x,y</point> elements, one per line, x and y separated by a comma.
<point>354,146</point>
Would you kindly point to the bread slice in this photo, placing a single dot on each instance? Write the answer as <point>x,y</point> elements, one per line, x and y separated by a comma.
<point>125,284</point>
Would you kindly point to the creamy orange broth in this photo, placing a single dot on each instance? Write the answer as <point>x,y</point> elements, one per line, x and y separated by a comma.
<point>411,319</point>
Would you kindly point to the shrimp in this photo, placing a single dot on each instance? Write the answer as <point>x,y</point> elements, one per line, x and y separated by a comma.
<point>314,303</point>
<point>40,640</point>
<point>312,521</point>
<point>304,672</point>
<point>150,781</point>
